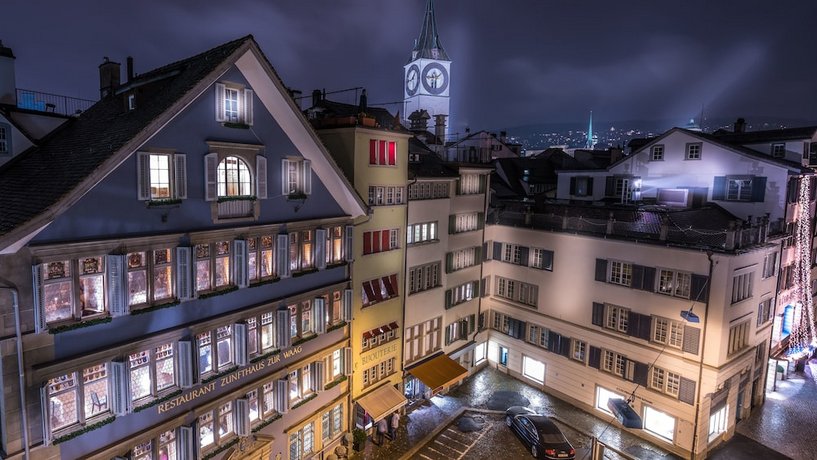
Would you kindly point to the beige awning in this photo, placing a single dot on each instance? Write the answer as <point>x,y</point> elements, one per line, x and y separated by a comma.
<point>382,401</point>
<point>440,372</point>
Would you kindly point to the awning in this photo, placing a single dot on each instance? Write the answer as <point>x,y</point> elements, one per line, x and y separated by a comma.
<point>382,401</point>
<point>440,372</point>
<point>624,413</point>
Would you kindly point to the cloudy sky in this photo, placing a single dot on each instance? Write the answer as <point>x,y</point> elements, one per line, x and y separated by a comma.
<point>515,62</point>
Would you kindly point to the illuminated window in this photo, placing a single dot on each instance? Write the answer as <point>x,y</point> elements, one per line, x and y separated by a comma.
<point>233,177</point>
<point>463,258</point>
<point>260,258</point>
<point>63,400</point>
<point>334,245</point>
<point>659,423</point>
<point>57,291</point>
<point>739,188</point>
<point>579,350</point>
<point>301,442</point>
<point>205,346</point>
<point>467,222</point>
<point>379,289</point>
<point>301,255</point>
<point>421,233</point>
<point>621,273</point>
<point>213,266</point>
<point>161,176</point>
<point>742,286</point>
<point>674,283</point>
<point>533,369</point>
<point>480,352</point>
<point>332,422</point>
<point>95,389</point>
<point>602,396</point>
<point>233,104</point>
<point>382,153</point>
<point>718,422</point>
<point>471,184</point>
<point>206,431</point>
<point>541,259</point>
<point>386,195</point>
<point>296,177</point>
<point>225,420</point>
<point>616,318</point>
<point>693,151</point>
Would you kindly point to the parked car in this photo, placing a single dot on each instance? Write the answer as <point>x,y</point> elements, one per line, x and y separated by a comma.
<point>539,433</point>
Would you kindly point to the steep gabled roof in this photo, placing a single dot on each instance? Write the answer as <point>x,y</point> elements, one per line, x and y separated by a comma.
<point>428,45</point>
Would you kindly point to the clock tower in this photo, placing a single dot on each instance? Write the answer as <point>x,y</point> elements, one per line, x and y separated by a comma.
<point>426,77</point>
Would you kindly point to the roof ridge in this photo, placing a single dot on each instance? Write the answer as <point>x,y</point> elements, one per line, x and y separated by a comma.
<point>181,62</point>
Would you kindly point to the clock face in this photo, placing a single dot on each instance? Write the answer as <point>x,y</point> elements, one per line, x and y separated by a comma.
<point>435,78</point>
<point>412,79</point>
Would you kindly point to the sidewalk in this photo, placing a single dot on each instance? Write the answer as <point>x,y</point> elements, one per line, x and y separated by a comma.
<point>430,416</point>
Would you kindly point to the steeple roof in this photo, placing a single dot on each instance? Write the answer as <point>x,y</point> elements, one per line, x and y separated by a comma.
<point>428,45</point>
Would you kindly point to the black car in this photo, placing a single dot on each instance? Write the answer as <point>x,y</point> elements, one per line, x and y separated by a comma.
<point>540,433</point>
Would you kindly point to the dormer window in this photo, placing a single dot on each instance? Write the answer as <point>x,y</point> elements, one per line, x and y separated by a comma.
<point>233,104</point>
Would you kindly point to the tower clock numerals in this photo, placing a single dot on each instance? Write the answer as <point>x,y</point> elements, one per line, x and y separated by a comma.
<point>412,80</point>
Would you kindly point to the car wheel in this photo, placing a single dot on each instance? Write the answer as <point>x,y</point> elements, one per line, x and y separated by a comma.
<point>508,420</point>
<point>534,452</point>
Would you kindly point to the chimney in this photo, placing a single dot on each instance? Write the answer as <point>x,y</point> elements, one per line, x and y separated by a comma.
<point>740,125</point>
<point>129,69</point>
<point>363,107</point>
<point>467,130</point>
<point>503,137</point>
<point>108,77</point>
<point>316,97</point>
<point>8,85</point>
<point>439,126</point>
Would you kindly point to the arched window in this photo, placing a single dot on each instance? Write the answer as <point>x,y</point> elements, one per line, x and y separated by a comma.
<point>234,177</point>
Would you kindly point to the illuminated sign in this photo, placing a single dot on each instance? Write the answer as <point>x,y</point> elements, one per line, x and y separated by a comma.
<point>377,354</point>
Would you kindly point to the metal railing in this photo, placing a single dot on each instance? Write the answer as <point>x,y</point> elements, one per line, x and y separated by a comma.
<point>51,103</point>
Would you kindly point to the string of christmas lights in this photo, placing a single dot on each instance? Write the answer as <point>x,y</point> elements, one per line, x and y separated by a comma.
<point>803,331</point>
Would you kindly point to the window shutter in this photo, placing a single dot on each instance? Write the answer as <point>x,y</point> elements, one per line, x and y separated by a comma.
<point>633,322</point>
<point>547,260</point>
<point>120,391</point>
<point>319,315</point>
<point>348,240</point>
<point>553,341</point>
<point>306,167</point>
<point>285,177</point>
<point>645,327</point>
<point>638,277</point>
<point>46,414</point>
<point>115,268</point>
<point>598,314</point>
<point>143,176</point>
<point>242,355</point>
<point>477,254</point>
<point>699,288</point>
<point>483,183</point>
<point>589,187</point>
<point>524,255</point>
<point>449,298</point>
<point>480,220</point>
<point>240,268</point>
<point>220,115</point>
<point>640,373</point>
<point>497,250</point>
<point>180,176</point>
<point>594,357</point>
<point>610,186</point>
<point>210,177</point>
<point>347,305</point>
<point>485,254</point>
<point>452,224</point>
<point>186,371</point>
<point>320,248</point>
<point>449,262</point>
<point>686,391</point>
<point>758,189</point>
<point>242,417</point>
<point>719,188</point>
<point>260,177</point>
<point>629,370</point>
<point>281,401</point>
<point>601,270</point>
<point>248,93</point>
<point>692,337</point>
<point>283,255</point>
<point>572,185</point>
<point>485,287</point>
<point>184,273</point>
<point>316,374</point>
<point>37,299</point>
<point>282,329</point>
<point>649,279</point>
<point>347,361</point>
<point>186,443</point>
<point>459,186</point>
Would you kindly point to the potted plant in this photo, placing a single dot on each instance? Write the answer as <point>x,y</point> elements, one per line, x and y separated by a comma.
<point>359,441</point>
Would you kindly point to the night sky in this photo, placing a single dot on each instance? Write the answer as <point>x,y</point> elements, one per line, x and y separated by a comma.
<point>515,62</point>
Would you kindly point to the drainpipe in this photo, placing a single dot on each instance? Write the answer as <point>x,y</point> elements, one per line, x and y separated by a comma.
<point>20,368</point>
<point>482,263</point>
<point>695,436</point>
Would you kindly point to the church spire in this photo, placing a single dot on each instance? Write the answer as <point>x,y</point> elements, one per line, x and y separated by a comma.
<point>428,44</point>
<point>590,142</point>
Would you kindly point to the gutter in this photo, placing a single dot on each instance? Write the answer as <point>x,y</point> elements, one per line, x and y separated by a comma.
<point>20,366</point>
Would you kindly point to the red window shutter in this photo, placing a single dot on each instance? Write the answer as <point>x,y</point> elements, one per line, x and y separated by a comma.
<point>393,279</point>
<point>367,243</point>
<point>372,152</point>
<point>392,153</point>
<point>382,152</point>
<point>376,241</point>
<point>385,235</point>
<point>370,294</point>
<point>376,288</point>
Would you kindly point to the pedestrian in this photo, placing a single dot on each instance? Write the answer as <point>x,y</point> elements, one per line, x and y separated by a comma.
<point>382,426</point>
<point>395,422</point>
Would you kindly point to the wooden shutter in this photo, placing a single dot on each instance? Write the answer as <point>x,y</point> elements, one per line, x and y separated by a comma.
<point>316,375</point>
<point>184,273</point>
<point>347,305</point>
<point>283,255</point>
<point>553,341</point>
<point>598,314</point>
<point>758,189</point>
<point>699,288</point>
<point>260,177</point>
<point>572,185</point>
<point>285,177</point>
<point>589,187</point>
<point>240,268</point>
<point>483,183</point>
<point>282,328</point>
<point>180,176</point>
<point>649,279</point>
<point>46,414</point>
<point>186,372</point>
<point>117,285</point>
<point>306,172</point>
<point>497,253</point>
<point>37,299</point>
<point>692,337</point>
<point>320,248</point>
<point>348,242</point>
<point>347,361</point>
<point>477,254</point>
<point>120,399</point>
<point>638,277</point>
<point>452,224</point>
<point>372,152</point>
<point>248,115</point>
<point>524,255</point>
<point>220,115</point>
<point>241,337</point>
<point>547,260</point>
<point>686,391</point>
<point>480,220</point>
<point>319,315</point>
<point>640,372</point>
<point>644,327</point>
<point>186,443</point>
<point>242,417</point>
<point>485,287</point>
<point>610,186</point>
<point>594,357</point>
<point>449,298</point>
<point>633,322</point>
<point>211,177</point>
<point>719,188</point>
<point>281,400</point>
<point>601,270</point>
<point>143,176</point>
<point>449,262</point>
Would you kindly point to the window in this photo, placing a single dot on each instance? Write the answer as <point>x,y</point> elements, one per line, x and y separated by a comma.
<point>764,312</point>
<point>613,362</point>
<point>621,273</point>
<point>616,318</point>
<point>301,250</point>
<point>579,350</point>
<point>462,293</point>
<point>659,423</point>
<point>471,184</point>
<point>738,338</point>
<point>770,265</point>
<point>480,352</point>
<point>503,355</point>
<point>206,431</point>
<point>742,286</point>
<point>161,176</point>
<point>166,443</point>
<point>380,241</point>
<point>149,277</point>
<point>538,335</point>
<point>657,152</point>
<point>334,245</point>
<point>466,222</point>
<point>423,339</point>
<point>225,420</point>
<point>382,153</point>
<point>424,277</point>
<point>233,178</point>
<point>541,259</point>
<point>300,319</point>
<point>379,289</point>
<point>233,104</point>
<point>533,369</point>
<point>674,283</point>
<point>693,151</point>
<point>579,186</point>
<point>739,188</point>
<point>463,258</point>
<point>5,138</point>
<point>624,189</point>
<point>204,343</point>
<point>386,195</point>
<point>459,330</point>
<point>665,381</point>
<point>301,442</point>
<point>95,390</point>
<point>779,150</point>
<point>511,253</point>
<point>212,266</point>
<point>296,177</point>
<point>668,332</point>
<point>261,258</point>
<point>517,291</point>
<point>421,233</point>
<point>332,422</point>
<point>717,422</point>
<point>378,372</point>
<point>423,190</point>
<point>602,396</point>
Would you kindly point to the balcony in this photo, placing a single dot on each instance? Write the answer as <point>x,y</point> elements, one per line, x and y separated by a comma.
<point>51,103</point>
<point>244,207</point>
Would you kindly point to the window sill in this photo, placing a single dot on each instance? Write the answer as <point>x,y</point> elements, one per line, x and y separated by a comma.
<point>264,356</point>
<point>431,288</point>
<point>264,281</point>
<point>336,326</point>
<point>218,292</point>
<point>422,243</point>
<point>220,373</point>
<point>297,197</point>
<point>460,232</point>
<point>335,382</point>
<point>163,203</point>
<point>336,264</point>
<point>148,309</point>
<point>78,325</point>
<point>173,392</point>
<point>237,125</point>
<point>380,252</point>
<point>371,304</point>
<point>304,401</point>
<point>304,339</point>
<point>221,448</point>
<point>303,272</point>
<point>224,199</point>
<point>81,431</point>
<point>263,424</point>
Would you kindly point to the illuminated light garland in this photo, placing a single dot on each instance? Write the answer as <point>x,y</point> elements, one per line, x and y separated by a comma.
<point>803,331</point>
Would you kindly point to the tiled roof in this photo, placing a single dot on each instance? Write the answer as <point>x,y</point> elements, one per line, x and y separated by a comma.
<point>430,164</point>
<point>38,178</point>
<point>340,109</point>
<point>771,135</point>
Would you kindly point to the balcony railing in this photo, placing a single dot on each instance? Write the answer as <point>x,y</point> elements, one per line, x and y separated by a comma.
<point>236,208</point>
<point>51,103</point>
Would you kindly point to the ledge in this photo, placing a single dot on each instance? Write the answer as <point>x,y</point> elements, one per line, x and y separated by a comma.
<point>221,448</point>
<point>303,272</point>
<point>335,382</point>
<point>82,431</point>
<point>304,401</point>
<point>228,124</point>
<point>336,326</point>
<point>223,199</point>
<point>227,290</point>
<point>305,339</point>
<point>160,203</point>
<point>220,374</point>
<point>265,356</point>
<point>79,325</point>
<point>155,307</point>
<point>265,423</point>
<point>158,401</point>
